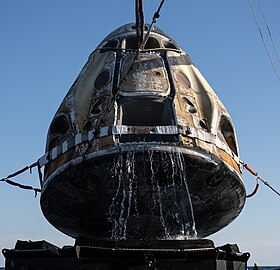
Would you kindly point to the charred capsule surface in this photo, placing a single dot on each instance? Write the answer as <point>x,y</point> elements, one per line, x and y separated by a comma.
<point>141,147</point>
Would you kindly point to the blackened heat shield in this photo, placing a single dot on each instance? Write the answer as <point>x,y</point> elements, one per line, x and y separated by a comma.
<point>148,192</point>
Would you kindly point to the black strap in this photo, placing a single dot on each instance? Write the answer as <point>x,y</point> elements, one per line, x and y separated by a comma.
<point>140,22</point>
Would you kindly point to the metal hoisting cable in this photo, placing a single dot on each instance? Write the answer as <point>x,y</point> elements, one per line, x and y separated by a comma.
<point>10,182</point>
<point>140,22</point>
<point>268,30</point>
<point>263,40</point>
<point>155,18</point>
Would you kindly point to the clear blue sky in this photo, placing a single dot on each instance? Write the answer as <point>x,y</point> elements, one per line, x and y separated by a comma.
<point>44,45</point>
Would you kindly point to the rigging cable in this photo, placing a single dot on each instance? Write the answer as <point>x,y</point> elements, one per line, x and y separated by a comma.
<point>253,172</point>
<point>38,190</point>
<point>268,30</point>
<point>140,22</point>
<point>155,18</point>
<point>264,43</point>
<point>10,182</point>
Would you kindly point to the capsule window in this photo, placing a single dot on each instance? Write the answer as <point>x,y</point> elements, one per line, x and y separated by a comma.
<point>189,105</point>
<point>57,131</point>
<point>131,43</point>
<point>97,106</point>
<point>152,43</point>
<point>59,125</point>
<point>226,128</point>
<point>168,45</point>
<point>87,126</point>
<point>203,124</point>
<point>102,79</point>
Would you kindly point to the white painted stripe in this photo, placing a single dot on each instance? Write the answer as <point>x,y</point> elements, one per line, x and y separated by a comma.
<point>90,135</point>
<point>161,130</point>
<point>54,153</point>
<point>64,147</point>
<point>78,139</point>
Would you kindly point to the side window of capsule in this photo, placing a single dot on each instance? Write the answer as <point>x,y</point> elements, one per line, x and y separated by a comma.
<point>227,134</point>
<point>58,132</point>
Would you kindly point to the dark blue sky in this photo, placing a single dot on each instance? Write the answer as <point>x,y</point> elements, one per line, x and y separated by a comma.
<point>44,45</point>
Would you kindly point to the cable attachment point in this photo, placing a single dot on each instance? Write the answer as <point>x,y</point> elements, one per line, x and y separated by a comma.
<point>248,168</point>
<point>156,16</point>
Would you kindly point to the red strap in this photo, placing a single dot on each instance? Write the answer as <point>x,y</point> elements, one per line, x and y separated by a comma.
<point>246,166</point>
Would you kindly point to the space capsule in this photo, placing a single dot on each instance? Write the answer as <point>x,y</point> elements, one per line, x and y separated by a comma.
<point>141,147</point>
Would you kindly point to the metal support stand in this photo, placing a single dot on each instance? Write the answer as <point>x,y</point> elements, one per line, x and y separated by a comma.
<point>126,254</point>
